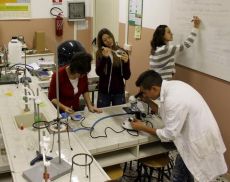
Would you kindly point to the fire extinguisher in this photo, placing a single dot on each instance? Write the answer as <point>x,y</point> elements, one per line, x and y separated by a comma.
<point>58,20</point>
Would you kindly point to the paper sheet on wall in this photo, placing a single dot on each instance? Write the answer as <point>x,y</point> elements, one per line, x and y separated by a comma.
<point>15,9</point>
<point>137,33</point>
<point>210,52</point>
<point>135,12</point>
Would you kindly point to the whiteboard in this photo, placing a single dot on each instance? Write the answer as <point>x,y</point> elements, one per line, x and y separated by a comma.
<point>210,53</point>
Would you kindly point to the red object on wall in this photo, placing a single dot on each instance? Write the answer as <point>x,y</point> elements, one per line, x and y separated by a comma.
<point>57,1</point>
<point>59,25</point>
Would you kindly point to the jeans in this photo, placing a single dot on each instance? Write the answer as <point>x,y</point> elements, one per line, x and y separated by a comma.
<point>180,172</point>
<point>105,100</point>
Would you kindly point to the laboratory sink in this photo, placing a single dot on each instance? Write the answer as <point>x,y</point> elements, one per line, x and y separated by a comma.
<point>26,120</point>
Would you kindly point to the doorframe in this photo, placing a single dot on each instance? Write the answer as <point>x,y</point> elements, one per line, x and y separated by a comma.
<point>116,20</point>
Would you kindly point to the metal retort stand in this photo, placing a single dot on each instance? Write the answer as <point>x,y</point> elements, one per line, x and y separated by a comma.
<point>38,123</point>
<point>58,167</point>
<point>25,78</point>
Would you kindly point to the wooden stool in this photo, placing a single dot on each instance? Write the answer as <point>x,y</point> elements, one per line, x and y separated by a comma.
<point>114,172</point>
<point>158,163</point>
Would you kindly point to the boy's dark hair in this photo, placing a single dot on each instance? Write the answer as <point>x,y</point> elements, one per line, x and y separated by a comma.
<point>148,79</point>
<point>80,63</point>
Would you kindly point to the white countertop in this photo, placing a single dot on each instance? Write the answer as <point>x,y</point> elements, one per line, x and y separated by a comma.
<point>21,145</point>
<point>18,142</point>
<point>118,147</point>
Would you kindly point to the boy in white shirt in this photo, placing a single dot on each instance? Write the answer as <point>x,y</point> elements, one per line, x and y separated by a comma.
<point>189,123</point>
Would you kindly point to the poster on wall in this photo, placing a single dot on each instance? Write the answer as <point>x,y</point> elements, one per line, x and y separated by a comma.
<point>135,16</point>
<point>15,9</point>
<point>135,12</point>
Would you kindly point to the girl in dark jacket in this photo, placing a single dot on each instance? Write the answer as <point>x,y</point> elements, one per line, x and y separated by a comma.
<point>113,68</point>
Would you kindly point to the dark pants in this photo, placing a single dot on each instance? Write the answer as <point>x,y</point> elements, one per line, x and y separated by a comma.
<point>105,100</point>
<point>180,172</point>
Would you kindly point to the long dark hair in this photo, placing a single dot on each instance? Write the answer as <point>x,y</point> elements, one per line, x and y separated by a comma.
<point>158,38</point>
<point>101,44</point>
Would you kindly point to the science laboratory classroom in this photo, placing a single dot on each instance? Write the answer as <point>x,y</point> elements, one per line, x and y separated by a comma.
<point>114,90</point>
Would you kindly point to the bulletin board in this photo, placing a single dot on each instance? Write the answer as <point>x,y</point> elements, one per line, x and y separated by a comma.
<point>15,9</point>
<point>210,52</point>
<point>135,16</point>
<point>76,11</point>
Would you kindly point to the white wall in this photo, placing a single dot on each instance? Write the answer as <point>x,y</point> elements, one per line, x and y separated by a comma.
<point>123,10</point>
<point>41,8</point>
<point>155,12</point>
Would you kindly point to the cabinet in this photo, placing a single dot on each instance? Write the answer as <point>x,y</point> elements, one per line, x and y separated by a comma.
<point>33,58</point>
<point>4,165</point>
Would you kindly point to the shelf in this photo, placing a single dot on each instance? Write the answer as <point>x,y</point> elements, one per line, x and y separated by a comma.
<point>4,165</point>
<point>151,149</point>
<point>116,157</point>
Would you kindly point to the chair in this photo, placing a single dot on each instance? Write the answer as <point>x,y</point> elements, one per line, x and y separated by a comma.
<point>114,172</point>
<point>161,163</point>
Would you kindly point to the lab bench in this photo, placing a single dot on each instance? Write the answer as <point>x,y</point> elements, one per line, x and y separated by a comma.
<point>114,149</point>
<point>121,147</point>
<point>21,145</point>
<point>33,58</point>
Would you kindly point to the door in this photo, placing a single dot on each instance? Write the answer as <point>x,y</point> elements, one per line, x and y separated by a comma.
<point>106,15</point>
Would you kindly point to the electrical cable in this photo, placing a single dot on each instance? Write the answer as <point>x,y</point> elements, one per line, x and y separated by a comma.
<point>104,136</point>
<point>82,125</point>
<point>97,121</point>
<point>113,115</point>
<point>79,129</point>
<point>21,64</point>
<point>105,131</point>
<point>130,132</point>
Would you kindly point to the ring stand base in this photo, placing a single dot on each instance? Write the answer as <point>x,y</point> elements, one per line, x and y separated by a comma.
<point>38,158</point>
<point>55,170</point>
<point>23,79</point>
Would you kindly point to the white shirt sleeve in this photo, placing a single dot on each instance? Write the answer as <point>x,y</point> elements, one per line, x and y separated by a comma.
<point>175,114</point>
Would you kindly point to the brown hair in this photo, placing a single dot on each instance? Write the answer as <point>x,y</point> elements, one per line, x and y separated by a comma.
<point>100,45</point>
